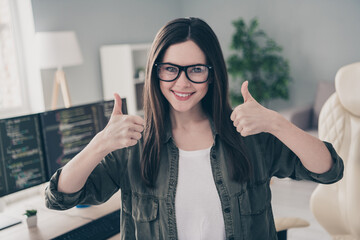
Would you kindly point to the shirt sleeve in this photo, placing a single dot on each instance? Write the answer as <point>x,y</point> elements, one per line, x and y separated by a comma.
<point>283,162</point>
<point>105,180</point>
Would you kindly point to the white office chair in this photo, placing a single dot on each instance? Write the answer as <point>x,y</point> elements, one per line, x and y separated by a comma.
<point>337,206</point>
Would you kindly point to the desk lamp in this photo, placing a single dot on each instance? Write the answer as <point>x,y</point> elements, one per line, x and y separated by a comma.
<point>58,50</point>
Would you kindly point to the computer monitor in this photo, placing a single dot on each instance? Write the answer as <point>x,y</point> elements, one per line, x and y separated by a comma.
<point>67,131</point>
<point>106,108</point>
<point>22,162</point>
<point>57,136</point>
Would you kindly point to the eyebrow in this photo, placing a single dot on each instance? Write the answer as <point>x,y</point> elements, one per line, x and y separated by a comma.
<point>183,65</point>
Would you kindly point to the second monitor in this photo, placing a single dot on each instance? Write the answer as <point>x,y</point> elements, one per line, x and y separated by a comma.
<point>67,131</point>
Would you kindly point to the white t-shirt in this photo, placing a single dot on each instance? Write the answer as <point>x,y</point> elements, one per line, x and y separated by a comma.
<point>197,203</point>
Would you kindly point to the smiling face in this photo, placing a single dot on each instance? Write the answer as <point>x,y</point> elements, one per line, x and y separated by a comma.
<point>183,95</point>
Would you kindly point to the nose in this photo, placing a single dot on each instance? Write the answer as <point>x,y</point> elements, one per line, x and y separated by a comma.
<point>183,80</point>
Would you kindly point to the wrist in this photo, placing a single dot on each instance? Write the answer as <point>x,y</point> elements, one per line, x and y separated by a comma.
<point>277,123</point>
<point>98,144</point>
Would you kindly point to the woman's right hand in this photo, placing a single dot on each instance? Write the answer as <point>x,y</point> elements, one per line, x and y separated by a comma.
<point>122,130</point>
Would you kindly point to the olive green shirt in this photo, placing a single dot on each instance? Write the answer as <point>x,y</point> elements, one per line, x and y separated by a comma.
<point>149,213</point>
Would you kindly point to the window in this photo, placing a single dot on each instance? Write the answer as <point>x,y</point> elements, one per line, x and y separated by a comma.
<point>10,90</point>
<point>18,67</point>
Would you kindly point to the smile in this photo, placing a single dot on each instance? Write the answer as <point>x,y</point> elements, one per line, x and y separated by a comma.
<point>182,96</point>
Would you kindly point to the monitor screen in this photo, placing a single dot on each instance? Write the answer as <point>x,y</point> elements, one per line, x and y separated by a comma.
<point>67,131</point>
<point>22,158</point>
<point>105,109</point>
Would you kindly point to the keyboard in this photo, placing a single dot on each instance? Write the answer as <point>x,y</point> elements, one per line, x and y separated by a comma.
<point>7,221</point>
<point>101,228</point>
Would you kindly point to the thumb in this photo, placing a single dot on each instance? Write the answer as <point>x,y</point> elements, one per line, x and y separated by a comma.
<point>245,92</point>
<point>117,105</point>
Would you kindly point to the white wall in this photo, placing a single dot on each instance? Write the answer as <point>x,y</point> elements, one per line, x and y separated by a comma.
<point>98,23</point>
<point>318,36</point>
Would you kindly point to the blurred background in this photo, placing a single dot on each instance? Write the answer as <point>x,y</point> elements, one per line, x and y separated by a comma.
<point>317,37</point>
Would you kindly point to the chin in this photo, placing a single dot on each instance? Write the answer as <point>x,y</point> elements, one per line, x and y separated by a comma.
<point>185,108</point>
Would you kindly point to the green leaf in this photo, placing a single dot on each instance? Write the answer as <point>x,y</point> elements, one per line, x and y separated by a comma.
<point>30,213</point>
<point>257,58</point>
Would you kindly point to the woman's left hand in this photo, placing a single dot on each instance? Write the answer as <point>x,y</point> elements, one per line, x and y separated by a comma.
<point>251,117</point>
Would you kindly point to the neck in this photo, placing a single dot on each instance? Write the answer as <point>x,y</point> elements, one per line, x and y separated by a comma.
<point>186,119</point>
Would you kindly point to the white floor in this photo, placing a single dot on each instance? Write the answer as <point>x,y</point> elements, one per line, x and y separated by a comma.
<point>291,199</point>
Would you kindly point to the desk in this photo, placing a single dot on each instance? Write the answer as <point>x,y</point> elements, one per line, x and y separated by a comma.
<point>53,223</point>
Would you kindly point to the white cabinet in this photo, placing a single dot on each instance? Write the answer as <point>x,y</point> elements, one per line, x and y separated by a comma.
<point>123,72</point>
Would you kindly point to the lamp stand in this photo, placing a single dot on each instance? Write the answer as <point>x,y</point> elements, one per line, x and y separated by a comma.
<point>60,80</point>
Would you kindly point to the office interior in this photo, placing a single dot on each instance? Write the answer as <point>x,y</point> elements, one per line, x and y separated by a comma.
<point>318,38</point>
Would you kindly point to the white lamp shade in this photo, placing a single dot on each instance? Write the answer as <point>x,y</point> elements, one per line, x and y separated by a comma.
<point>58,49</point>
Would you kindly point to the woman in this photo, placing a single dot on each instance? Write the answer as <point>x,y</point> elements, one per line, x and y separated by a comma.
<point>193,168</point>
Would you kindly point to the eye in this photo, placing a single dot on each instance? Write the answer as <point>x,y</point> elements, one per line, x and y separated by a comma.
<point>197,69</point>
<point>170,69</point>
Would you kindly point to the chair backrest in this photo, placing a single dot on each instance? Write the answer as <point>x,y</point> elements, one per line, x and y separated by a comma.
<point>337,206</point>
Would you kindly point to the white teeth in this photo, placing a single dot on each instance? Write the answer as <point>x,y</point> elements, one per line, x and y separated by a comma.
<point>182,95</point>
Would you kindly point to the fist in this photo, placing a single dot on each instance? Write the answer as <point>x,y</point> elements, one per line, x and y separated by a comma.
<point>122,130</point>
<point>251,117</point>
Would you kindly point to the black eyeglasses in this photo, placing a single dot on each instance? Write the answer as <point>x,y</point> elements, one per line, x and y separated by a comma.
<point>168,72</point>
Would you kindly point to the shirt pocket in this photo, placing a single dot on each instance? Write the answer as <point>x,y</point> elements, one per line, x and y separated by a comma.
<point>255,212</point>
<point>145,214</point>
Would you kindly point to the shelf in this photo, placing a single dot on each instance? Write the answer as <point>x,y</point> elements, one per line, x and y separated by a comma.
<point>120,67</point>
<point>139,80</point>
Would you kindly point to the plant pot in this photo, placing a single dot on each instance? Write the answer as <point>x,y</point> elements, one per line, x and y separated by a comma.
<point>31,221</point>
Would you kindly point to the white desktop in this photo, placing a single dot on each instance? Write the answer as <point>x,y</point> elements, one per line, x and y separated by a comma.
<point>50,223</point>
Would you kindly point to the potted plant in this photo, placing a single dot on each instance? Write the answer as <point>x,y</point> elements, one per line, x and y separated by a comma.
<point>257,60</point>
<point>31,219</point>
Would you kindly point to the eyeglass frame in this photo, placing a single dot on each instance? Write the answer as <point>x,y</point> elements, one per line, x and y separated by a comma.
<point>182,69</point>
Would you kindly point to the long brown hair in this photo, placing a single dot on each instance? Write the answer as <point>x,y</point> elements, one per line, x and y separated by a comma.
<point>215,103</point>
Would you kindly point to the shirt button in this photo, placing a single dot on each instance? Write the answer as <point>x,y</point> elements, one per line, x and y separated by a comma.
<point>227,210</point>
<point>172,183</point>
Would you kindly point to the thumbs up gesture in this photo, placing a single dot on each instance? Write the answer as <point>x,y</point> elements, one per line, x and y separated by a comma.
<point>122,130</point>
<point>251,117</point>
